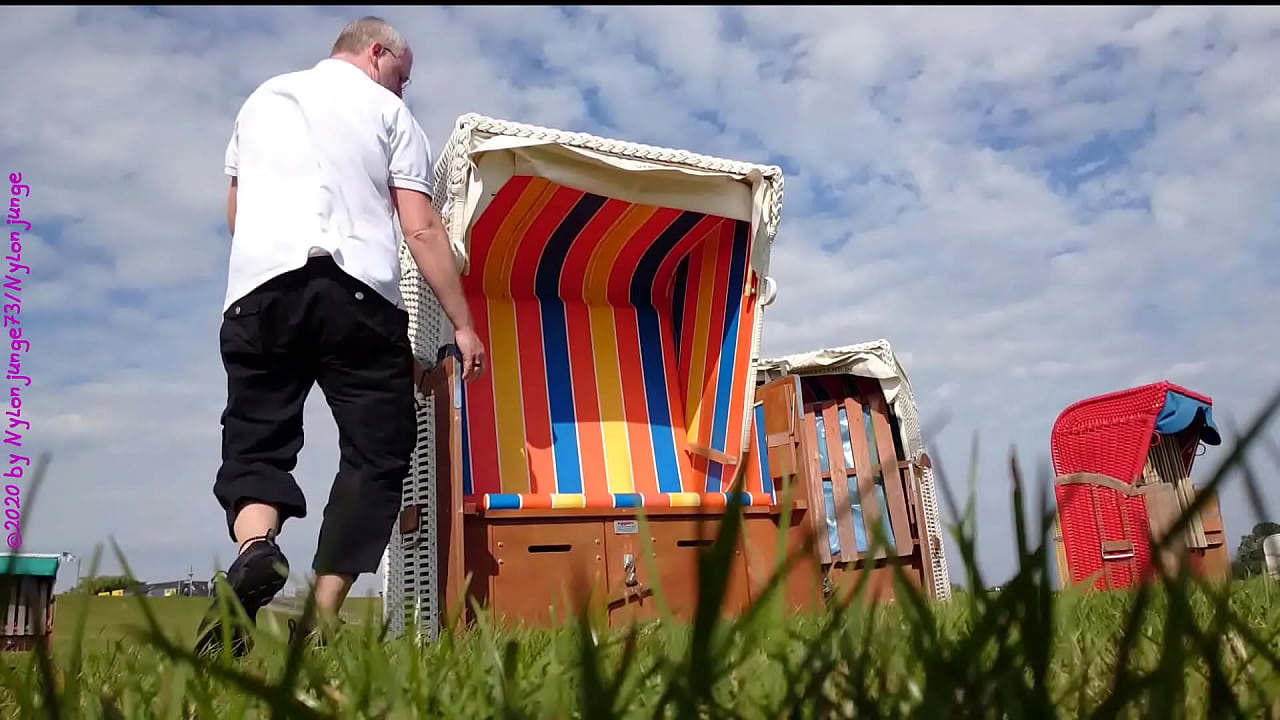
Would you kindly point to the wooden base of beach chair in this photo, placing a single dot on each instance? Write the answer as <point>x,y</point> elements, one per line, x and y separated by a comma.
<point>539,566</point>
<point>535,568</point>
<point>28,603</point>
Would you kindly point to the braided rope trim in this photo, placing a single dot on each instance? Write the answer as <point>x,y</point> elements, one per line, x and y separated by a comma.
<point>453,167</point>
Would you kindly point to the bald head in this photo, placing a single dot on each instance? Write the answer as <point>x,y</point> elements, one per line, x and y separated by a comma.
<point>378,49</point>
<point>358,35</point>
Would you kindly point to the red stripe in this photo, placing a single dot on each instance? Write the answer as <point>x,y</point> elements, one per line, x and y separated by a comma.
<point>482,432</point>
<point>483,234</point>
<point>481,429</point>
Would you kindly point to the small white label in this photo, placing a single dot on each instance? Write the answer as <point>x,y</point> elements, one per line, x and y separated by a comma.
<point>625,527</point>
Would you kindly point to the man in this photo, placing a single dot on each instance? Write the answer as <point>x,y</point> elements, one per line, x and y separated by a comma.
<point>318,160</point>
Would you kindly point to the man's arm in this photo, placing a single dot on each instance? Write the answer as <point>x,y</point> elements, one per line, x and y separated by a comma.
<point>231,166</point>
<point>231,205</point>
<point>409,168</point>
<point>428,243</point>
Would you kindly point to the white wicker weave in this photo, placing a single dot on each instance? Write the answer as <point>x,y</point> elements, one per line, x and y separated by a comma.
<point>852,359</point>
<point>409,570</point>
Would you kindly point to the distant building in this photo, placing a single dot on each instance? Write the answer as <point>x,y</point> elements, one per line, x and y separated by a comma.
<point>178,588</point>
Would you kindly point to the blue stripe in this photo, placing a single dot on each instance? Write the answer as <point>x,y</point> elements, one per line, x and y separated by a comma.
<point>655,391</point>
<point>628,500</point>
<point>467,489</point>
<point>642,291</point>
<point>677,301</point>
<point>564,426</point>
<point>555,343</point>
<point>729,341</point>
<point>766,480</point>
<point>653,370</point>
<point>715,473</point>
<point>503,501</point>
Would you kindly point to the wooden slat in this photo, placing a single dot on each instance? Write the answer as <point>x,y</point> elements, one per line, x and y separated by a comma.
<point>442,382</point>
<point>839,483</point>
<point>925,540</point>
<point>781,427</point>
<point>866,472</point>
<point>887,452</point>
<point>809,436</point>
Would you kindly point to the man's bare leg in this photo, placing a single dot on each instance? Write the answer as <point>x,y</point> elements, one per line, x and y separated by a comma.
<point>253,521</point>
<point>331,593</point>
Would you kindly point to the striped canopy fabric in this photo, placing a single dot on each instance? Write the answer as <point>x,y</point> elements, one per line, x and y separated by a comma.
<point>619,338</point>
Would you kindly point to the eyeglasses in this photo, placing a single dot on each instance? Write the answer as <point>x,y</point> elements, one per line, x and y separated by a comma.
<point>404,80</point>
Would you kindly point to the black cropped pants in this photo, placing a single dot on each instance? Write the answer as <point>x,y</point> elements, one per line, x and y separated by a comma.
<point>319,325</point>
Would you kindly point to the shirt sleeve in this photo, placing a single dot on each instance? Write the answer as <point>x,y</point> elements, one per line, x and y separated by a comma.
<point>411,162</point>
<point>231,161</point>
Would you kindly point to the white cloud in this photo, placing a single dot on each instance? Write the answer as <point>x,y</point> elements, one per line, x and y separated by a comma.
<point>1035,205</point>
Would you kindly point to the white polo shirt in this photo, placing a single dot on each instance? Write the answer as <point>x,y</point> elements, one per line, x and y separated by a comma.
<point>315,152</point>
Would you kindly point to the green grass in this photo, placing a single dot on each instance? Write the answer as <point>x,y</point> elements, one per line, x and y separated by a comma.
<point>109,621</point>
<point>1180,648</point>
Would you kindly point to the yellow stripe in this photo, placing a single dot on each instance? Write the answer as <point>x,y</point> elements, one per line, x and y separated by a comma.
<point>685,499</point>
<point>513,467</point>
<point>568,500</point>
<point>697,335</point>
<point>613,426</point>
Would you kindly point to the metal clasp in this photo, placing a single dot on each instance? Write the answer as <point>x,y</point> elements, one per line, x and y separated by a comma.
<point>629,570</point>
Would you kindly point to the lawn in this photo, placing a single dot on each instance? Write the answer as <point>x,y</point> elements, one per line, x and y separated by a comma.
<point>109,621</point>
<point>1181,647</point>
<point>979,655</point>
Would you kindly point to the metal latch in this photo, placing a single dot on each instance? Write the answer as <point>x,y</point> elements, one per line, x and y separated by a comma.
<point>629,570</point>
<point>1117,549</point>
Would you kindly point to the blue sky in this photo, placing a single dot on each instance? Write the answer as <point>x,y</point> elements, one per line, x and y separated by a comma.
<point>1034,205</point>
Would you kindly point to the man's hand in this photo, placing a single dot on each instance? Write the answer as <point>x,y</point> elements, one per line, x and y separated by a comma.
<point>472,352</point>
